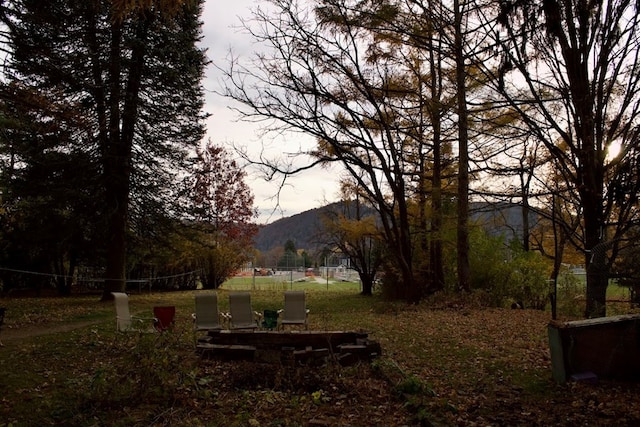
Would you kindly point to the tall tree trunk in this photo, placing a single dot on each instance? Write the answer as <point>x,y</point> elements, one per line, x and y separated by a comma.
<point>422,226</point>
<point>559,242</point>
<point>117,197</point>
<point>367,284</point>
<point>464,271</point>
<point>595,261</point>
<point>590,181</point>
<point>524,188</point>
<point>597,282</point>
<point>118,160</point>
<point>435,251</point>
<point>411,289</point>
<point>591,175</point>
<point>115,212</point>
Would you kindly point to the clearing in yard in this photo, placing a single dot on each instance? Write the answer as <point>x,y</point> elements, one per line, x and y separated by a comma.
<point>442,364</point>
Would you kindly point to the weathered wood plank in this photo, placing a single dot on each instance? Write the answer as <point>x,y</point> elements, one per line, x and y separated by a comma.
<point>278,339</point>
<point>290,347</point>
<point>230,352</point>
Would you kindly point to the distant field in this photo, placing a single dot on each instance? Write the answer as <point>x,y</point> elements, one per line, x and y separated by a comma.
<point>287,281</point>
<point>298,281</point>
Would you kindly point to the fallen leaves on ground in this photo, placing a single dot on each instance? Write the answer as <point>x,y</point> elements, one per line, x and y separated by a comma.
<point>447,366</point>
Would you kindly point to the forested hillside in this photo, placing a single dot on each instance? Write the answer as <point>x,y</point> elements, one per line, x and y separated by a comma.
<point>305,229</point>
<point>302,228</point>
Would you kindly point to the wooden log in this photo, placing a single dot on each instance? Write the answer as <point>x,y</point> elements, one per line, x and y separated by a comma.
<point>309,356</point>
<point>279,339</point>
<point>351,353</point>
<point>352,348</point>
<point>228,352</point>
<point>348,359</point>
<point>272,356</point>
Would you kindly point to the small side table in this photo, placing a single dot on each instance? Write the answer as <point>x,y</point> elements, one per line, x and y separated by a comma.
<point>270,319</point>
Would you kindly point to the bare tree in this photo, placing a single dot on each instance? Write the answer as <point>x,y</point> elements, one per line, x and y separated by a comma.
<point>327,78</point>
<point>352,228</point>
<point>571,69</point>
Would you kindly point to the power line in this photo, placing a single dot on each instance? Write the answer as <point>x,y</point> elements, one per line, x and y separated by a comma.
<point>148,279</point>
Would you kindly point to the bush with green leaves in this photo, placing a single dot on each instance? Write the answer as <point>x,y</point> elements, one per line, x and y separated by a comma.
<point>507,273</point>
<point>570,293</point>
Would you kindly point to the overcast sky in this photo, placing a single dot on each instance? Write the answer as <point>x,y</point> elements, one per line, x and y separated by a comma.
<point>307,191</point>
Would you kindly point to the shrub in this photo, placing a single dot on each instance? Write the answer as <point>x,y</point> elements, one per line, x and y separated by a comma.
<point>508,274</point>
<point>570,294</point>
<point>145,369</point>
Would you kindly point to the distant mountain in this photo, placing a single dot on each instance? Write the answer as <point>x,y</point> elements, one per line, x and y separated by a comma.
<point>301,228</point>
<point>499,219</point>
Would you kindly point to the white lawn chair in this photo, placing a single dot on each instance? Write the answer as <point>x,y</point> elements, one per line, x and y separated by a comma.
<point>125,322</point>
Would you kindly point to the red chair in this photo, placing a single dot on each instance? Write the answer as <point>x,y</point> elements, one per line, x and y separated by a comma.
<point>164,317</point>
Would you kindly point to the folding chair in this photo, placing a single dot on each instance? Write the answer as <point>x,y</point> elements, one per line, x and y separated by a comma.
<point>207,316</point>
<point>295,311</point>
<point>124,320</point>
<point>242,315</point>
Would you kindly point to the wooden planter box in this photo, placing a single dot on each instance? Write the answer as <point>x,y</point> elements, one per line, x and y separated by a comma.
<point>604,347</point>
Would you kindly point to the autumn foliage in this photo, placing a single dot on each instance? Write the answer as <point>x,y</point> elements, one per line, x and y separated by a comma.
<point>223,213</point>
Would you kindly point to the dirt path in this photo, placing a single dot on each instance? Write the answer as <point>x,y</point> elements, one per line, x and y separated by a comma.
<point>13,335</point>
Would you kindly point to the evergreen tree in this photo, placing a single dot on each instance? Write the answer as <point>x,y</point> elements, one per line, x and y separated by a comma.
<point>133,81</point>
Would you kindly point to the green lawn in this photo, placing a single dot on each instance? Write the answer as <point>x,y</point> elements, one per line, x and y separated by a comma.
<point>287,282</point>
